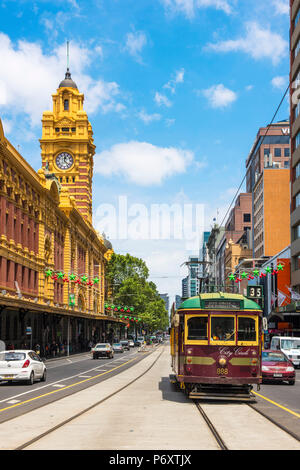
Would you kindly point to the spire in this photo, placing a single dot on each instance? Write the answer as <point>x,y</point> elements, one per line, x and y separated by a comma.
<point>68,82</point>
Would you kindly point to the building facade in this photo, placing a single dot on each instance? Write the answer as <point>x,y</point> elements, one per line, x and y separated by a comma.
<point>271,212</point>
<point>52,261</point>
<point>271,149</point>
<point>295,141</point>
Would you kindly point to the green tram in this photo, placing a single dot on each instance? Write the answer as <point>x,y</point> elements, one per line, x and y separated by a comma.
<point>216,345</point>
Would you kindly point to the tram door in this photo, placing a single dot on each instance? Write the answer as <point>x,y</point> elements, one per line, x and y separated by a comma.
<point>181,345</point>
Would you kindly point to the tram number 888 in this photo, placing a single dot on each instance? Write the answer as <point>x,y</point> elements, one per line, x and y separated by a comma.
<point>222,371</point>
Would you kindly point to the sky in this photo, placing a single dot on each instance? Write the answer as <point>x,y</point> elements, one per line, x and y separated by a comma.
<point>175,90</point>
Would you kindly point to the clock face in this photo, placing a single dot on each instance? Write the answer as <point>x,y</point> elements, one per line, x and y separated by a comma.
<point>64,161</point>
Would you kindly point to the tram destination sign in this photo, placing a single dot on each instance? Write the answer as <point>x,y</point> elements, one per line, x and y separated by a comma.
<point>223,304</point>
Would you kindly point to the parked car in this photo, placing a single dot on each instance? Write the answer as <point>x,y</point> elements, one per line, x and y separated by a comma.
<point>289,345</point>
<point>102,350</point>
<point>276,366</point>
<point>138,342</point>
<point>118,348</point>
<point>131,343</point>
<point>22,365</point>
<point>125,344</point>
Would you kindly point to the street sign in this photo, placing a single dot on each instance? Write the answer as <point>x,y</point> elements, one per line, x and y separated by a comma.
<point>255,292</point>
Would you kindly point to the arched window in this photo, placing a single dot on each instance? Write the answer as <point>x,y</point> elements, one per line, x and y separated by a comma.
<point>66,105</point>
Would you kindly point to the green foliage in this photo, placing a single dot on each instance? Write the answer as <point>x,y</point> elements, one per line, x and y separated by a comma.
<point>127,277</point>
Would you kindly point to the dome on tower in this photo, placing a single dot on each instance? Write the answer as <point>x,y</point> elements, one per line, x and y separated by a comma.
<point>68,82</point>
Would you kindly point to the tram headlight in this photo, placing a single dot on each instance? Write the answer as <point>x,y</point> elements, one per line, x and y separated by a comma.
<point>222,361</point>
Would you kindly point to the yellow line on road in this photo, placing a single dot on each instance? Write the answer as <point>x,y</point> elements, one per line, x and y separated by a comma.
<point>65,388</point>
<point>277,404</point>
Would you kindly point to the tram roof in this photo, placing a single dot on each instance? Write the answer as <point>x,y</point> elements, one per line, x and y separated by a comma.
<point>220,300</point>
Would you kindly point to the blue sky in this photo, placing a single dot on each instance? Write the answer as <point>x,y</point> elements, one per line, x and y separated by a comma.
<point>175,91</point>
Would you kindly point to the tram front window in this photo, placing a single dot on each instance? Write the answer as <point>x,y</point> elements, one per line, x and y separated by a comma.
<point>222,329</point>
<point>197,328</point>
<point>246,329</point>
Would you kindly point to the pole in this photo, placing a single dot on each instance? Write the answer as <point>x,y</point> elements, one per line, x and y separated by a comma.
<point>68,338</point>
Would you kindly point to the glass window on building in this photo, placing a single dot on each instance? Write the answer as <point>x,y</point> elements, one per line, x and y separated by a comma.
<point>277,152</point>
<point>286,164</point>
<point>296,263</point>
<point>297,199</point>
<point>296,232</point>
<point>297,18</point>
<point>297,49</point>
<point>286,152</point>
<point>297,140</point>
<point>247,217</point>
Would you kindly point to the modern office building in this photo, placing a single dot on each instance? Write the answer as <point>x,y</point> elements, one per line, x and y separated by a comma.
<point>184,287</point>
<point>270,149</point>
<point>295,142</point>
<point>165,298</point>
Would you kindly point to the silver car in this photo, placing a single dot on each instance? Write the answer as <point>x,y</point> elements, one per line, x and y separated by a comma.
<point>21,365</point>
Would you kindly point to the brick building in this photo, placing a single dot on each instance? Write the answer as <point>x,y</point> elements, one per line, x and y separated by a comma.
<point>52,261</point>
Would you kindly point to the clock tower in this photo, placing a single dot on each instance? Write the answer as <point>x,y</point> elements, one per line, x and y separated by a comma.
<point>67,144</point>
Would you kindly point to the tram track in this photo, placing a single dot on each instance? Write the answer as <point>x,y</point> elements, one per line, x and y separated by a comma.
<point>220,440</point>
<point>211,427</point>
<point>85,410</point>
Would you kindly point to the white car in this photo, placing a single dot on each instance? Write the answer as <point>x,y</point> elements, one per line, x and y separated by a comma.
<point>21,365</point>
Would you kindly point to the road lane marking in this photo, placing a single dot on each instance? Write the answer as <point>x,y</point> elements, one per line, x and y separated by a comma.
<point>106,364</point>
<point>65,388</point>
<point>12,402</point>
<point>58,385</point>
<point>277,404</point>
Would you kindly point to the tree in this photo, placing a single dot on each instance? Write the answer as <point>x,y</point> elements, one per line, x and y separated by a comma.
<point>127,277</point>
<point>122,267</point>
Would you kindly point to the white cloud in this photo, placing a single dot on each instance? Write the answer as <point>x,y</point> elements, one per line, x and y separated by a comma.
<point>135,43</point>
<point>30,77</point>
<point>282,7</point>
<point>169,122</point>
<point>142,163</point>
<point>148,118</point>
<point>179,78</point>
<point>162,100</point>
<point>189,7</point>
<point>280,82</point>
<point>259,42</point>
<point>219,96</point>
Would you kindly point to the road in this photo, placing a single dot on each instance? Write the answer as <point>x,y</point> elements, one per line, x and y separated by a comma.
<point>64,377</point>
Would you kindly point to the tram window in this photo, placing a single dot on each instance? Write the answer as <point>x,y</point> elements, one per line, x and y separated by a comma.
<point>197,328</point>
<point>222,329</point>
<point>246,329</point>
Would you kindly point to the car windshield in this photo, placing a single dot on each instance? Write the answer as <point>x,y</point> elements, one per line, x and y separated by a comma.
<point>290,343</point>
<point>117,344</point>
<point>124,342</point>
<point>273,357</point>
<point>101,346</point>
<point>12,356</point>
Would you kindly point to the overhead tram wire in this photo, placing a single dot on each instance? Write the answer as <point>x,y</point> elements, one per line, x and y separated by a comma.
<point>268,127</point>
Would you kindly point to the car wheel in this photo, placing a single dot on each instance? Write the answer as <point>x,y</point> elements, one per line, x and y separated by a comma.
<point>44,376</point>
<point>31,379</point>
<point>291,382</point>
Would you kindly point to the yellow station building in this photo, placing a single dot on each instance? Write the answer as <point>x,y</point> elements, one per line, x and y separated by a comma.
<point>52,260</point>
